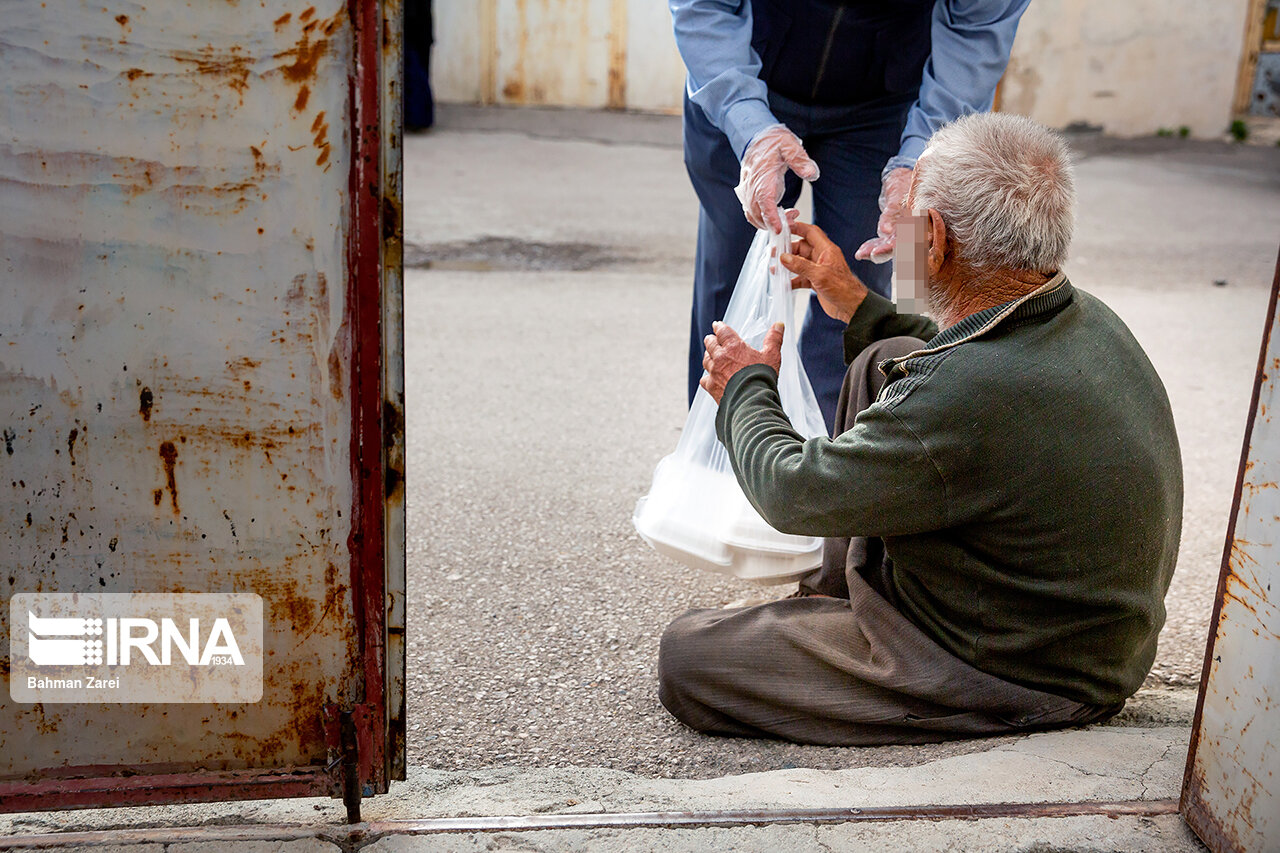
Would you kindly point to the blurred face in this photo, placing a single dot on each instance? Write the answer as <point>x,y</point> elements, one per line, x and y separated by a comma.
<point>911,265</point>
<point>911,253</point>
<point>918,289</point>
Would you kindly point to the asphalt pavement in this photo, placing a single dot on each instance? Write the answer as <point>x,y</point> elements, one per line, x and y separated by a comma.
<point>547,316</point>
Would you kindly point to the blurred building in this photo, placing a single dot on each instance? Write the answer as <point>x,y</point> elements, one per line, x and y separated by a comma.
<point>1130,67</point>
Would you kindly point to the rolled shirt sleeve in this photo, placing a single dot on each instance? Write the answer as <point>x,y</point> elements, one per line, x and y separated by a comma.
<point>971,44</point>
<point>714,39</point>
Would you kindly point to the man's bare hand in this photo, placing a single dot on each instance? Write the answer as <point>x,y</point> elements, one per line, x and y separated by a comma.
<point>727,354</point>
<point>819,264</point>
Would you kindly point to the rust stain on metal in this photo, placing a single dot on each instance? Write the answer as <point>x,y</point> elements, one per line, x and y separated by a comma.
<point>301,608</point>
<point>391,120</point>
<point>392,432</point>
<point>169,455</point>
<point>514,90</point>
<point>321,141</point>
<point>391,219</point>
<point>337,388</point>
<point>123,21</point>
<point>232,65</point>
<point>617,98</point>
<point>173,195</point>
<point>306,54</point>
<point>1250,597</point>
<point>81,172</point>
<point>1228,797</point>
<point>392,17</point>
<point>1217,834</point>
<point>160,785</point>
<point>350,837</point>
<point>489,51</point>
<point>243,363</point>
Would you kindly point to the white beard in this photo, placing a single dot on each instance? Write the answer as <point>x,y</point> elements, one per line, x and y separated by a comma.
<point>939,302</point>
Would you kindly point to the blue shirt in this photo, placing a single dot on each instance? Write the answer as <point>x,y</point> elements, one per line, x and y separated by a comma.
<point>971,44</point>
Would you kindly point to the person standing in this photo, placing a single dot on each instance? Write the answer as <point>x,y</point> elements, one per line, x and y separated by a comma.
<point>419,105</point>
<point>847,91</point>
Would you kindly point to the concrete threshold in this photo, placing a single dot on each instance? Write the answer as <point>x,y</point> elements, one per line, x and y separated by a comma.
<point>1111,786</point>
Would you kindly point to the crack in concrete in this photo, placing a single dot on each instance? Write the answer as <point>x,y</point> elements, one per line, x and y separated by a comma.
<point>1142,779</point>
<point>817,840</point>
<point>1082,771</point>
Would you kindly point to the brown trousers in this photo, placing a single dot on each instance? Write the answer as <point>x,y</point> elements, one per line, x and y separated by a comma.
<point>848,670</point>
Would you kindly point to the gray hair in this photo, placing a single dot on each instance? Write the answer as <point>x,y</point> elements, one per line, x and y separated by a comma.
<point>1004,187</point>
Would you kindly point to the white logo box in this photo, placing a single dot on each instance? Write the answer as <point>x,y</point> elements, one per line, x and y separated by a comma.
<point>135,647</point>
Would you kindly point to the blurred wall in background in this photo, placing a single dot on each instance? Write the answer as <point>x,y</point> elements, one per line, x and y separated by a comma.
<point>1130,67</point>
<point>572,53</point>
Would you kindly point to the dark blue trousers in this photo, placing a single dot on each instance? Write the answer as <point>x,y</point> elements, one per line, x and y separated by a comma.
<point>419,106</point>
<point>850,145</point>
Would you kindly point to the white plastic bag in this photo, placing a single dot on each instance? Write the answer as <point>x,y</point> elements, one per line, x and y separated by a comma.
<point>695,511</point>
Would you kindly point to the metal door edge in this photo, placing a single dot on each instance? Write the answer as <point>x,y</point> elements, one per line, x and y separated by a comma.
<point>1191,804</point>
<point>84,787</point>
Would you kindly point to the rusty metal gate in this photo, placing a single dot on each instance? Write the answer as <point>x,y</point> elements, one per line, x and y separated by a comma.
<point>616,54</point>
<point>201,378</point>
<point>1231,794</point>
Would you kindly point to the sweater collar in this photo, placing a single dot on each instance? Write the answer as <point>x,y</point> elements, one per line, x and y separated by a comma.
<point>1044,301</point>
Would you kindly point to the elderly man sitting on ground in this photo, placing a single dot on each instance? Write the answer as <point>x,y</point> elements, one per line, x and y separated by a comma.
<point>1002,501</point>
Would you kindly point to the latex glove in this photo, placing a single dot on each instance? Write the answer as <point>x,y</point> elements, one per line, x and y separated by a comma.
<point>764,168</point>
<point>893,206</point>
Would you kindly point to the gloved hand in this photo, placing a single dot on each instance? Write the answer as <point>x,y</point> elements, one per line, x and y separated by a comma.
<point>764,166</point>
<point>893,206</point>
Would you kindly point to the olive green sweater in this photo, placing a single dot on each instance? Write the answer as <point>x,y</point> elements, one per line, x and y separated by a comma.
<point>1023,471</point>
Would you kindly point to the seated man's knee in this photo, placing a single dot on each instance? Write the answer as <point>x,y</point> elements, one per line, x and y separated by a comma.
<point>675,661</point>
<point>681,655</point>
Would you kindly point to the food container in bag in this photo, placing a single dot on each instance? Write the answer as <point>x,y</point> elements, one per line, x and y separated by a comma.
<point>695,511</point>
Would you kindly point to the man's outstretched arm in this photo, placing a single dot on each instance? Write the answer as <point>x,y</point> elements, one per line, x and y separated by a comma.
<point>874,480</point>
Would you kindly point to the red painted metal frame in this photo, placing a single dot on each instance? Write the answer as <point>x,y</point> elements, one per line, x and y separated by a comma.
<point>364,294</point>
<point>1191,804</point>
<point>147,784</point>
<point>187,787</point>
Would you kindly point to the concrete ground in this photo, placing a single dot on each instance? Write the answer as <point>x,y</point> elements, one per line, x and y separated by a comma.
<point>547,316</point>
<point>1140,768</point>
